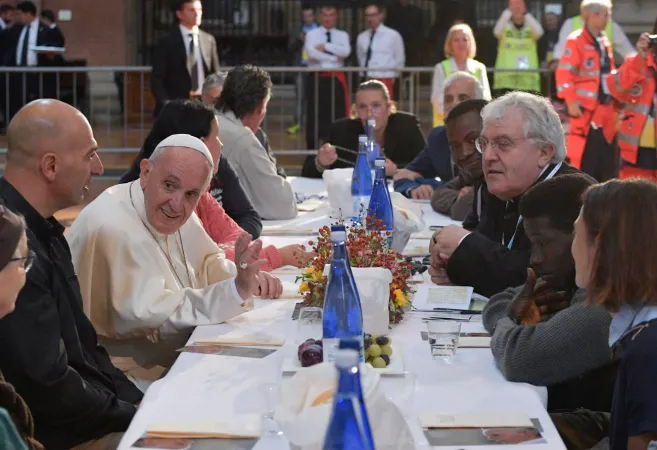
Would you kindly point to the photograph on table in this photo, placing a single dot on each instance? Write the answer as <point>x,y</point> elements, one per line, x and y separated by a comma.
<point>485,436</point>
<point>177,443</point>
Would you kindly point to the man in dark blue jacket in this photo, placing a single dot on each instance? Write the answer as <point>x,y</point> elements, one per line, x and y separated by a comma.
<point>418,179</point>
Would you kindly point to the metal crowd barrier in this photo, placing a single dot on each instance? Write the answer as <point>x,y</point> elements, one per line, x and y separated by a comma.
<point>119,104</point>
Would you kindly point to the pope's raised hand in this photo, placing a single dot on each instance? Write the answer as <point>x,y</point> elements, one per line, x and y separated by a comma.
<point>248,265</point>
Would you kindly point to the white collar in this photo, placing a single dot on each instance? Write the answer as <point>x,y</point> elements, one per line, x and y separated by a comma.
<point>186,31</point>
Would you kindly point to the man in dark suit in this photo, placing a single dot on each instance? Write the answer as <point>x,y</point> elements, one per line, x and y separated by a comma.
<point>184,58</point>
<point>47,16</point>
<point>22,38</point>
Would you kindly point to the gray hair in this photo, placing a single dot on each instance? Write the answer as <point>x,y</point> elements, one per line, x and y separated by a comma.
<point>214,79</point>
<point>541,125</point>
<point>595,5</point>
<point>456,76</point>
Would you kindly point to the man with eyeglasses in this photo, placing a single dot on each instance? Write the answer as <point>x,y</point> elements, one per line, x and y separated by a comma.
<point>522,143</point>
<point>50,350</point>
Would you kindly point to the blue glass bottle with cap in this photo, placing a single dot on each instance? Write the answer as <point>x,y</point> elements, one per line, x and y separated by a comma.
<point>373,150</point>
<point>343,316</point>
<point>380,207</point>
<point>349,427</point>
<point>361,181</point>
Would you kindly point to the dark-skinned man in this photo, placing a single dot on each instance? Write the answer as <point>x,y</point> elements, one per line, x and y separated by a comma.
<point>544,332</point>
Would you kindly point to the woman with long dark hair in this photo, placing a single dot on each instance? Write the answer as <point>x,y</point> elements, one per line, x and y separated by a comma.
<point>198,120</point>
<point>615,252</point>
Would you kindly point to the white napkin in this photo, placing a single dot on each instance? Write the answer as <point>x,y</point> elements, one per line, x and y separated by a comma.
<point>475,420</point>
<point>239,426</point>
<point>245,337</point>
<point>474,342</point>
<point>305,425</point>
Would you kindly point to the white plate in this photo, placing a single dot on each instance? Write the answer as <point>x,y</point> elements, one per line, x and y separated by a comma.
<point>396,367</point>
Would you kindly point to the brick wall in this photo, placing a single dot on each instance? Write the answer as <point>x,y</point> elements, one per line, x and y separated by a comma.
<point>101,31</point>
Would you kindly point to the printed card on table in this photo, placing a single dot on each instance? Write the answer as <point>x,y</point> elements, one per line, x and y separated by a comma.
<point>448,297</point>
<point>225,350</point>
<point>173,443</point>
<point>482,429</point>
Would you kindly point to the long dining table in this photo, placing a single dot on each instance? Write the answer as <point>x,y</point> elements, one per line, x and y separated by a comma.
<point>203,388</point>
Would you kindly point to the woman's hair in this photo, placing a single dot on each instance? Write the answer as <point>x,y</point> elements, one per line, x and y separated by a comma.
<point>19,413</point>
<point>177,117</point>
<point>620,218</point>
<point>465,28</point>
<point>378,86</point>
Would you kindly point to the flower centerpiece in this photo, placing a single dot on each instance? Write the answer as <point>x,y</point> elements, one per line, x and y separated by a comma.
<point>366,249</point>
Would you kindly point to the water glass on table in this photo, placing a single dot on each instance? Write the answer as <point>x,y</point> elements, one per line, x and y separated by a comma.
<point>309,324</point>
<point>443,338</point>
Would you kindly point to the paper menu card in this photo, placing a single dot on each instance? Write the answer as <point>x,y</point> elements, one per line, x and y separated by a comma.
<point>239,426</point>
<point>429,297</point>
<point>474,342</point>
<point>416,252</point>
<point>311,205</point>
<point>242,336</point>
<point>475,420</point>
<point>290,230</point>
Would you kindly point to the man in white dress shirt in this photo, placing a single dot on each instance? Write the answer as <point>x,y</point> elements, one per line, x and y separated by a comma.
<point>148,271</point>
<point>380,47</point>
<point>328,92</point>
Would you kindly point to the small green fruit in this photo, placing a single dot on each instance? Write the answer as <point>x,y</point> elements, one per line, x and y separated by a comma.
<point>374,351</point>
<point>379,363</point>
<point>386,349</point>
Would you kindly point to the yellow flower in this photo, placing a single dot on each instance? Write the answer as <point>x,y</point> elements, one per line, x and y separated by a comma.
<point>318,276</point>
<point>304,287</point>
<point>310,270</point>
<point>400,298</point>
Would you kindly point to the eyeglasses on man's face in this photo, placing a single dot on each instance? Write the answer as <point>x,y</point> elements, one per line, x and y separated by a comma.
<point>26,261</point>
<point>499,144</point>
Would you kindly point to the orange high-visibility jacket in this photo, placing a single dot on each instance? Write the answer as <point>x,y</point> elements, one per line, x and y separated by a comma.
<point>578,80</point>
<point>634,84</point>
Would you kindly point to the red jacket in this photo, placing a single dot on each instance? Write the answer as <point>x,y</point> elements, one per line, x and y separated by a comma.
<point>225,231</point>
<point>634,84</point>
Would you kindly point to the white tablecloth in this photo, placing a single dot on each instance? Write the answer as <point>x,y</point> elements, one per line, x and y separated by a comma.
<point>209,387</point>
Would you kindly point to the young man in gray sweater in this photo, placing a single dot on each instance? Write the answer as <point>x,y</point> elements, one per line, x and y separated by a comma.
<point>543,332</point>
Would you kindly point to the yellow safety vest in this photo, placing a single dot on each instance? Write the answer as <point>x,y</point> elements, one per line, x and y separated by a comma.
<point>446,64</point>
<point>517,50</point>
<point>609,29</point>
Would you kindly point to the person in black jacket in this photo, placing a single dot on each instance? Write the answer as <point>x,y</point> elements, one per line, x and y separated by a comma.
<point>47,16</point>
<point>522,143</point>
<point>225,187</point>
<point>398,134</point>
<point>184,58</point>
<point>50,351</point>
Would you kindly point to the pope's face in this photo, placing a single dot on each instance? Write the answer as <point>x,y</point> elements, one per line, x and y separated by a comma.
<point>173,185</point>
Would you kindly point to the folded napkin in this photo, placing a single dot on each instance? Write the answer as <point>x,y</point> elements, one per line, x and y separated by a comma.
<point>310,205</point>
<point>287,231</point>
<point>244,426</point>
<point>416,252</point>
<point>245,337</point>
<point>306,401</point>
<point>474,342</point>
<point>475,421</point>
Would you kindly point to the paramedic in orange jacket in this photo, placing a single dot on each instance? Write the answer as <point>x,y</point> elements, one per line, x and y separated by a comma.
<point>586,60</point>
<point>635,84</point>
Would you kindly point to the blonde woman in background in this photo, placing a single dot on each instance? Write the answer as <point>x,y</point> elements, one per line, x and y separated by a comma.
<point>460,50</point>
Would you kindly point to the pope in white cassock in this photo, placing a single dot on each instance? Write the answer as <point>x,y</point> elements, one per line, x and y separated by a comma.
<point>148,271</point>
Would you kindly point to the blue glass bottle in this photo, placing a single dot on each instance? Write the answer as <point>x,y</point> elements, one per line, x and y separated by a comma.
<point>343,316</point>
<point>380,207</point>
<point>349,428</point>
<point>373,151</point>
<point>361,181</point>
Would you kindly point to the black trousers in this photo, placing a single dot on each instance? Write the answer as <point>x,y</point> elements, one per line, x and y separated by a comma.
<point>581,429</point>
<point>600,159</point>
<point>325,104</point>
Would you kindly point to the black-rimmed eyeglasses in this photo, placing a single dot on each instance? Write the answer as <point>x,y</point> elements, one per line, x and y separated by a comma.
<point>27,260</point>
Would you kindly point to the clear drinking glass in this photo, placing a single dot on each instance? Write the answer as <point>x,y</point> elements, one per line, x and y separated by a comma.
<point>443,338</point>
<point>309,324</point>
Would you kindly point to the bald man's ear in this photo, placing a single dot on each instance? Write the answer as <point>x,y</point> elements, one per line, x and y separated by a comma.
<point>49,165</point>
